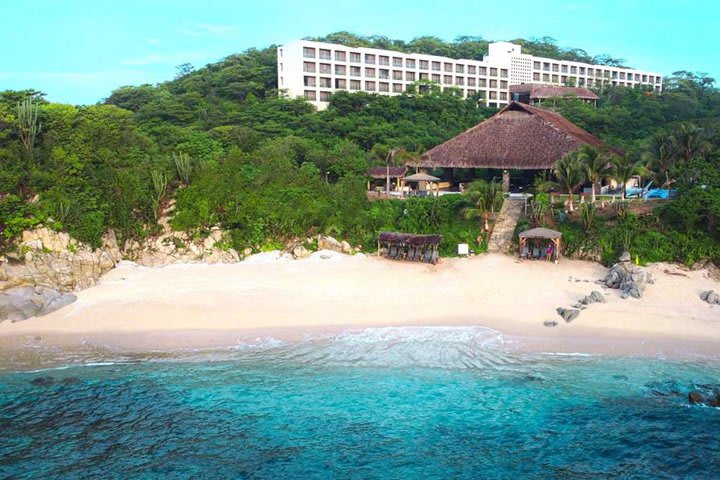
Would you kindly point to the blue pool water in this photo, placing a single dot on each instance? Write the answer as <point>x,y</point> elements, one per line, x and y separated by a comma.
<point>398,403</point>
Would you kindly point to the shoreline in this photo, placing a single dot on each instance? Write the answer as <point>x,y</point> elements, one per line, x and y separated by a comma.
<point>200,306</point>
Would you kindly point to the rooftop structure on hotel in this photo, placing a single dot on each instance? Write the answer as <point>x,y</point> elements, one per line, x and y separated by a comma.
<point>315,70</point>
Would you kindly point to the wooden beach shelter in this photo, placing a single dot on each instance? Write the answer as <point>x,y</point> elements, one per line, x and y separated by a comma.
<point>518,137</point>
<point>387,173</point>
<point>541,233</point>
<point>424,178</point>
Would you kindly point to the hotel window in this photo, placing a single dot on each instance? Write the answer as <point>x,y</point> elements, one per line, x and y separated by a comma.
<point>581,82</point>
<point>354,84</point>
<point>493,72</point>
<point>555,79</point>
<point>281,52</point>
<point>503,84</point>
<point>555,67</point>
<point>384,87</point>
<point>370,86</point>
<point>546,77</point>
<point>447,79</point>
<point>424,64</point>
<point>310,95</point>
<point>614,74</point>
<point>536,76</point>
<point>472,70</point>
<point>503,73</point>
<point>483,71</point>
<point>354,57</point>
<point>325,82</point>
<point>637,77</point>
<point>622,75</point>
<point>471,82</point>
<point>397,88</point>
<point>459,68</point>
<point>493,83</point>
<point>410,76</point>
<point>493,95</point>
<point>384,60</point>
<point>590,72</point>
<point>340,56</point>
<point>424,76</point>
<point>324,96</point>
<point>658,80</point>
<point>436,66</point>
<point>325,68</point>
<point>397,75</point>
<point>590,82</point>
<point>355,71</point>
<point>598,73</point>
<point>369,59</point>
<point>325,54</point>
<point>309,67</point>
<point>564,68</point>
<point>536,65</point>
<point>340,70</point>
<point>546,66</point>
<point>448,67</point>
<point>644,78</point>
<point>409,63</point>
<point>503,95</point>
<point>573,69</point>
<point>309,81</point>
<point>582,70</point>
<point>308,52</point>
<point>436,78</point>
<point>482,82</point>
<point>370,72</point>
<point>471,92</point>
<point>563,79</point>
<point>384,73</point>
<point>459,81</point>
<point>397,62</point>
<point>341,83</point>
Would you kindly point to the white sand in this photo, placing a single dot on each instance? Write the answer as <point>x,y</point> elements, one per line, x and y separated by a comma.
<point>200,305</point>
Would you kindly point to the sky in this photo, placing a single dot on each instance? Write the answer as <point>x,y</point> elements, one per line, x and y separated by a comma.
<point>78,51</point>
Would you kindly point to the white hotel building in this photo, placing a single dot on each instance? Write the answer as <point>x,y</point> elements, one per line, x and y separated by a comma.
<point>315,70</point>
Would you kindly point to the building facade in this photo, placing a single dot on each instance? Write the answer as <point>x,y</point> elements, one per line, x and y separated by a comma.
<point>314,70</point>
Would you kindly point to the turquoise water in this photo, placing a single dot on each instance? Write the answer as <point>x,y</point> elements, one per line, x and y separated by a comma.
<point>398,403</point>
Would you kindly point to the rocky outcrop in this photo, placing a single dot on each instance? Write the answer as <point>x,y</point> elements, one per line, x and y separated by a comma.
<point>19,303</point>
<point>710,297</point>
<point>698,398</point>
<point>631,280</point>
<point>180,247</point>
<point>568,314</point>
<point>56,261</point>
<point>594,297</point>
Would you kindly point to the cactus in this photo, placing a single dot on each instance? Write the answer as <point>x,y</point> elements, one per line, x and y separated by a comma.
<point>159,181</point>
<point>30,126</point>
<point>183,165</point>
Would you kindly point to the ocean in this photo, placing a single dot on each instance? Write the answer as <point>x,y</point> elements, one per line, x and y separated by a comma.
<point>384,403</point>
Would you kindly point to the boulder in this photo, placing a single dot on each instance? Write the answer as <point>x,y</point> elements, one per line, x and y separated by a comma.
<point>711,297</point>
<point>550,323</point>
<point>631,280</point>
<point>43,381</point>
<point>300,252</point>
<point>696,397</point>
<point>568,314</point>
<point>329,243</point>
<point>19,303</point>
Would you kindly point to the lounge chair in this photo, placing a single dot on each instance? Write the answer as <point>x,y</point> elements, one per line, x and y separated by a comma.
<point>393,253</point>
<point>536,253</point>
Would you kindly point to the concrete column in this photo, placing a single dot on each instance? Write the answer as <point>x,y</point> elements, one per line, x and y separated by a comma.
<point>506,181</point>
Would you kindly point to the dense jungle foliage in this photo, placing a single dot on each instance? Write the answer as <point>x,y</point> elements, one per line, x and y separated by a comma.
<point>229,150</point>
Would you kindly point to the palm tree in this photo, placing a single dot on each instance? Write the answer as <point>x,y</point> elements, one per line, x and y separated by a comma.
<point>661,155</point>
<point>596,166</point>
<point>624,168</point>
<point>485,198</point>
<point>570,174</point>
<point>690,142</point>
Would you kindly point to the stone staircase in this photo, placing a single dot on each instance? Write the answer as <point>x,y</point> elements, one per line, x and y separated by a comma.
<point>502,233</point>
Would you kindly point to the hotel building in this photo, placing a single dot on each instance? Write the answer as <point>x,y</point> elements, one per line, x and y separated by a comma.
<point>315,70</point>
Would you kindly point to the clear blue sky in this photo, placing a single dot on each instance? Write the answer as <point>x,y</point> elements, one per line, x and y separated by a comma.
<point>78,51</point>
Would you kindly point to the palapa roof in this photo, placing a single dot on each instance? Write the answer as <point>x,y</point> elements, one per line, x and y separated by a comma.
<point>541,92</point>
<point>517,137</point>
<point>409,238</point>
<point>381,172</point>
<point>421,177</point>
<point>540,233</point>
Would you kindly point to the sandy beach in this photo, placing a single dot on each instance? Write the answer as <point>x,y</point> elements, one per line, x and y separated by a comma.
<point>198,305</point>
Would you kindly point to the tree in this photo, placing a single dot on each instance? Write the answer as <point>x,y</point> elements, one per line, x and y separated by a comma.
<point>30,125</point>
<point>661,155</point>
<point>624,168</point>
<point>485,198</point>
<point>690,142</point>
<point>570,174</point>
<point>596,166</point>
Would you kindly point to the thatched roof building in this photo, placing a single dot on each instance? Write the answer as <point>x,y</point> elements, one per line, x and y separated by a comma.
<point>518,137</point>
<point>534,93</point>
<point>381,172</point>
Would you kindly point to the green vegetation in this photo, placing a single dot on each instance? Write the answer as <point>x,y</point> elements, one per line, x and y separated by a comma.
<point>221,143</point>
